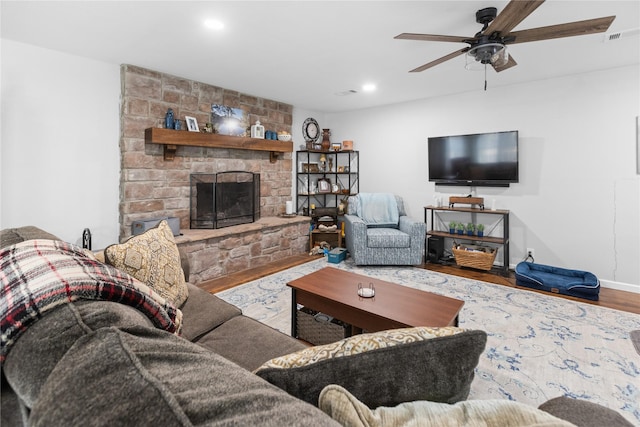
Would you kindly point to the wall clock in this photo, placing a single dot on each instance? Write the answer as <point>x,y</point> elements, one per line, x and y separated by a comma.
<point>310,130</point>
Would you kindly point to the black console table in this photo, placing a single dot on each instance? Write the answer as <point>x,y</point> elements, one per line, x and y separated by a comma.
<point>436,227</point>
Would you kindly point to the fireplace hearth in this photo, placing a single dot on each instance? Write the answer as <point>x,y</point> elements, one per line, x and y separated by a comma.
<point>224,199</point>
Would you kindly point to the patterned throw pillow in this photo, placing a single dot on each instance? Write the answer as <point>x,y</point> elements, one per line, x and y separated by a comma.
<point>357,344</point>
<point>343,407</point>
<point>384,368</point>
<point>152,258</point>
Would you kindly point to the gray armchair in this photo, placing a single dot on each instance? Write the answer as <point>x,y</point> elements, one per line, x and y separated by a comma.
<point>371,243</point>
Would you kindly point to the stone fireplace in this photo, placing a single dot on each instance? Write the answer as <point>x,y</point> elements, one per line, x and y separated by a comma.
<point>224,199</point>
<point>152,187</point>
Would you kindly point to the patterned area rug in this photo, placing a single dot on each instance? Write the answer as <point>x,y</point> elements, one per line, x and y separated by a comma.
<point>538,347</point>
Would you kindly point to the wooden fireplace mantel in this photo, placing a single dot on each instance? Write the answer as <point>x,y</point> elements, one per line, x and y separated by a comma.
<point>172,138</point>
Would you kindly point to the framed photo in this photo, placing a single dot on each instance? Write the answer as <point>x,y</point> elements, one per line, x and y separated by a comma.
<point>192,124</point>
<point>309,167</point>
<point>228,120</point>
<point>324,185</point>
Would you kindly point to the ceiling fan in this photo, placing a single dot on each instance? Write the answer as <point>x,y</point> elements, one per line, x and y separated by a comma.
<point>488,46</point>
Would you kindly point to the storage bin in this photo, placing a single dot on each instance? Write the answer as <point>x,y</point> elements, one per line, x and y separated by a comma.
<point>466,257</point>
<point>318,328</point>
<point>337,255</point>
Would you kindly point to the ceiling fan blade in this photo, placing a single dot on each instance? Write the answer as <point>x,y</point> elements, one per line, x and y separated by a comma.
<point>513,13</point>
<point>440,60</point>
<point>510,63</point>
<point>570,29</point>
<point>431,37</point>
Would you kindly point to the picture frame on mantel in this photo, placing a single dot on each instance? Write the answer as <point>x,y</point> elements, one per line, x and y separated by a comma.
<point>192,124</point>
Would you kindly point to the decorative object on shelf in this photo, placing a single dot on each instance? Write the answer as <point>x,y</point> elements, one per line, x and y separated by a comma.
<point>324,185</point>
<point>310,168</point>
<point>257,130</point>
<point>326,143</point>
<point>310,132</point>
<point>284,136</point>
<point>330,164</point>
<point>228,120</point>
<point>168,119</point>
<point>452,227</point>
<point>323,163</point>
<point>177,124</point>
<point>347,145</point>
<point>460,228</point>
<point>470,229</point>
<point>192,124</point>
<point>208,128</point>
<point>468,200</point>
<point>335,188</point>
<point>336,146</point>
<point>288,207</point>
<point>480,230</point>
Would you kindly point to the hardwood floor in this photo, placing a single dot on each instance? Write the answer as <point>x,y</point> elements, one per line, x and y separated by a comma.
<point>611,298</point>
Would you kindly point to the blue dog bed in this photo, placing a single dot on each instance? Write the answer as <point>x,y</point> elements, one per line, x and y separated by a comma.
<point>576,283</point>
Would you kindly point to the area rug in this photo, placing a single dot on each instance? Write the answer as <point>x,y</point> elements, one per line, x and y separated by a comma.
<point>538,346</point>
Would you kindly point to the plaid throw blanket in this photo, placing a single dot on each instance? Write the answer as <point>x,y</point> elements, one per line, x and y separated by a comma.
<point>38,275</point>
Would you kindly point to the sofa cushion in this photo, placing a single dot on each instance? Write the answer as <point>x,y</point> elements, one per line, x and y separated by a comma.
<point>385,368</point>
<point>584,413</point>
<point>343,407</point>
<point>248,343</point>
<point>45,342</point>
<point>150,377</point>
<point>203,312</point>
<point>387,238</point>
<point>153,258</point>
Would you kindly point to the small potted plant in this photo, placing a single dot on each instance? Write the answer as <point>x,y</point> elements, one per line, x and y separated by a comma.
<point>460,228</point>
<point>452,227</point>
<point>470,228</point>
<point>480,230</point>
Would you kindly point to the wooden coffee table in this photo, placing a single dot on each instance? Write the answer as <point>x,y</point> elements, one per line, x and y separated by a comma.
<point>335,292</point>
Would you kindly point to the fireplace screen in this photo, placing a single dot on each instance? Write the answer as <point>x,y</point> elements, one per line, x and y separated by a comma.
<point>224,199</point>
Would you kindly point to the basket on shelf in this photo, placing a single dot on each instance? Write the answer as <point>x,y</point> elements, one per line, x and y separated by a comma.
<point>481,258</point>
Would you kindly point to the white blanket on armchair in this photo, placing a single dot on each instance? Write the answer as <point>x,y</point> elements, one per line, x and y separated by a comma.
<point>378,209</point>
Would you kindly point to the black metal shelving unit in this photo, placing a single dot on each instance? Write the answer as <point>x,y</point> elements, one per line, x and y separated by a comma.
<point>437,226</point>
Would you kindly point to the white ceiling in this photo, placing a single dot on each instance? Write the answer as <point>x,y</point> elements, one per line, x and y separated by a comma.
<point>304,52</point>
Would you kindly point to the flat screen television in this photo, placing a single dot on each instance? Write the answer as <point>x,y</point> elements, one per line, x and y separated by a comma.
<point>484,159</point>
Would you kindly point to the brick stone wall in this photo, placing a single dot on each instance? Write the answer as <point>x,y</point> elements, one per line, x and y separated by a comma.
<point>151,187</point>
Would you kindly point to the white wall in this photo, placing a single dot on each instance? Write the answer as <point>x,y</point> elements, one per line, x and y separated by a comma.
<point>577,200</point>
<point>59,150</point>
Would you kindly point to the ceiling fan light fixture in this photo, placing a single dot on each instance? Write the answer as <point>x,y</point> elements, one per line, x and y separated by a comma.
<point>486,54</point>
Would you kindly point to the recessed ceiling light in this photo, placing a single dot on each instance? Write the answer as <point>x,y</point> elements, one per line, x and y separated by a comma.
<point>368,87</point>
<point>214,24</point>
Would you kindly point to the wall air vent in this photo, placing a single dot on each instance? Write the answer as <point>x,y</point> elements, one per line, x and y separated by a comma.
<point>609,37</point>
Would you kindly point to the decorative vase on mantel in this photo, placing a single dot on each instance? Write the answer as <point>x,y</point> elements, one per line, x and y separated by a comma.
<point>326,144</point>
